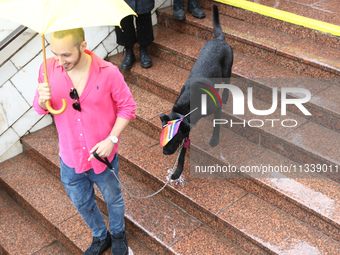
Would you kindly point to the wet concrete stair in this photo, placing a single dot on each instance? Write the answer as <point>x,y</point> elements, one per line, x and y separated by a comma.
<point>36,214</point>
<point>265,58</point>
<point>157,222</point>
<point>35,238</point>
<point>325,11</point>
<point>203,215</point>
<point>314,140</point>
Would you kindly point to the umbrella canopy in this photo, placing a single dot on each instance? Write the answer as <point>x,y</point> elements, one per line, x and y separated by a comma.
<point>47,16</point>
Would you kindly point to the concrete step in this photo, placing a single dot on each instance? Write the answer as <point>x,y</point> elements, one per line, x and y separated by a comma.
<point>282,194</point>
<point>182,50</point>
<point>324,11</point>
<point>261,185</point>
<point>41,218</point>
<point>280,213</point>
<point>273,46</point>
<point>288,194</point>
<point>157,223</point>
<point>165,80</point>
<point>39,193</point>
<point>21,234</point>
<point>294,53</point>
<point>213,205</point>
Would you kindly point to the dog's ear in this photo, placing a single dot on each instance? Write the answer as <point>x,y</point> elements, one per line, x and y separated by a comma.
<point>164,118</point>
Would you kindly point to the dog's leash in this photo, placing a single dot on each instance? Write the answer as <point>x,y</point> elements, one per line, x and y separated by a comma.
<point>185,143</point>
<point>186,115</point>
<point>106,162</point>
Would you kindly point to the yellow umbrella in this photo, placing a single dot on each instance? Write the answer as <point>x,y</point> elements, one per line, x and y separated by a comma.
<point>47,16</point>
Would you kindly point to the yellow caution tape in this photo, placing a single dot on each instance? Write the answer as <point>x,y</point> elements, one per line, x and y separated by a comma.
<point>285,16</point>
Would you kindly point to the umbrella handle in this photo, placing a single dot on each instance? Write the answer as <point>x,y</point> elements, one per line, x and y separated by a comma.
<point>56,112</point>
<point>48,103</point>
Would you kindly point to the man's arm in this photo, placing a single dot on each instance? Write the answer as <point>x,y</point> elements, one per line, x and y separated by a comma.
<point>105,147</point>
<point>126,106</point>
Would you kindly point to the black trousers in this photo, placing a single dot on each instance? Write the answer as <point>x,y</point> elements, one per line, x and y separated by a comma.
<point>128,36</point>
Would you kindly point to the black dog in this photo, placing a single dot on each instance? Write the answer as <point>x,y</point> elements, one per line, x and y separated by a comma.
<point>213,64</point>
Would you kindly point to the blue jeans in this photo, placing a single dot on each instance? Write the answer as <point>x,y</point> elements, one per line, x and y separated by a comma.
<point>79,188</point>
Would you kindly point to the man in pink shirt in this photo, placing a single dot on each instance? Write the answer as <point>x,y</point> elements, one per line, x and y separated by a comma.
<point>100,106</point>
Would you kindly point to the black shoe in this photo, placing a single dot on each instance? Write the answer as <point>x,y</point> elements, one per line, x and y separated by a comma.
<point>119,244</point>
<point>145,60</point>
<point>99,246</point>
<point>195,9</point>
<point>129,59</point>
<point>178,12</point>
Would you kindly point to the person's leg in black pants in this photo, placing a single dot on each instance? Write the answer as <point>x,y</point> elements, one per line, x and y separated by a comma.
<point>144,37</point>
<point>127,38</point>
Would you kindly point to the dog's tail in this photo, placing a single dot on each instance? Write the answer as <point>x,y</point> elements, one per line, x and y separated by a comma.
<point>218,32</point>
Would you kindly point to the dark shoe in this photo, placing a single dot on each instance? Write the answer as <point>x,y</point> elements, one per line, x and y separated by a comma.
<point>195,9</point>
<point>99,246</point>
<point>129,59</point>
<point>119,244</point>
<point>178,10</point>
<point>145,60</point>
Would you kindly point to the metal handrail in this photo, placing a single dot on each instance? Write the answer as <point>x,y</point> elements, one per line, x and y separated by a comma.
<point>18,31</point>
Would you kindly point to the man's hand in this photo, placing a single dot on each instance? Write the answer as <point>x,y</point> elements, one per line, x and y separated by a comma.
<point>44,90</point>
<point>104,149</point>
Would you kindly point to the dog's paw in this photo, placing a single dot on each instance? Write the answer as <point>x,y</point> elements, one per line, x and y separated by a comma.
<point>175,176</point>
<point>177,173</point>
<point>213,142</point>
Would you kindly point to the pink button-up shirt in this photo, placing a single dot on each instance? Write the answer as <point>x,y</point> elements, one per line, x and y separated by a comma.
<point>104,98</point>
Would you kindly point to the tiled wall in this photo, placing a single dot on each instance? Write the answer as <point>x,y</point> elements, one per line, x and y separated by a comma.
<point>19,65</point>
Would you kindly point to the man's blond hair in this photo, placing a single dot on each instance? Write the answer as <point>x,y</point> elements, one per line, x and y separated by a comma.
<point>78,35</point>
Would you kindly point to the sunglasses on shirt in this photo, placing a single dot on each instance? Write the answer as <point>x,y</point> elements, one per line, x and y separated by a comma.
<point>74,96</point>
